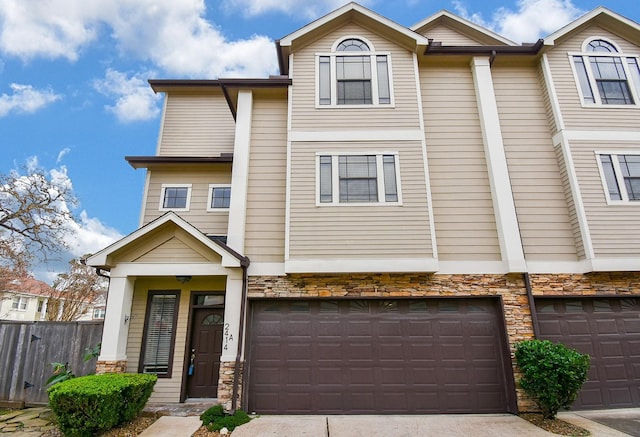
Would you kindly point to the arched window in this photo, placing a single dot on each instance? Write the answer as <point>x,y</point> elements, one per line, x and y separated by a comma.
<point>605,76</point>
<point>353,74</point>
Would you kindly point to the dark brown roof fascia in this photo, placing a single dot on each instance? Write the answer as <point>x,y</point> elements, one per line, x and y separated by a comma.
<point>271,82</point>
<point>437,49</point>
<point>145,161</point>
<point>281,66</point>
<point>183,83</point>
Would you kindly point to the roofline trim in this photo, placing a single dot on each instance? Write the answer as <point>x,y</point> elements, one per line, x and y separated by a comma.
<point>145,161</point>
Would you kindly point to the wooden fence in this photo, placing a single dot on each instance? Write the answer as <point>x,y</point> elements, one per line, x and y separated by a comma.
<point>27,350</point>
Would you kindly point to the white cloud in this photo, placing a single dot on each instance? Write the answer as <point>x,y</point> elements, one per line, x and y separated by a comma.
<point>26,99</point>
<point>134,99</point>
<point>300,8</point>
<point>89,235</point>
<point>533,19</point>
<point>174,35</point>
<point>64,152</point>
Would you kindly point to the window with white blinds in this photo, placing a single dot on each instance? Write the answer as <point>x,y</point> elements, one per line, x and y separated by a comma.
<point>160,328</point>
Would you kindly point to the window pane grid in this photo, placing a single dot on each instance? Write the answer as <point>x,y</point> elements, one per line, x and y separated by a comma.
<point>326,180</point>
<point>175,197</point>
<point>358,178</point>
<point>220,197</point>
<point>583,79</point>
<point>630,167</point>
<point>610,177</point>
<point>390,184</point>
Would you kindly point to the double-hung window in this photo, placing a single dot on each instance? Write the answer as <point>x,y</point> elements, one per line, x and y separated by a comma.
<point>159,333</point>
<point>621,176</point>
<point>358,178</point>
<point>175,197</point>
<point>354,74</point>
<point>19,303</point>
<point>219,197</point>
<point>605,76</point>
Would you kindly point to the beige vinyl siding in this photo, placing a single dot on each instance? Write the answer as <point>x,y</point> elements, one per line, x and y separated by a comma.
<point>615,229</point>
<point>266,193</point>
<point>200,176</point>
<point>307,117</point>
<point>463,210</point>
<point>166,389</point>
<point>359,231</point>
<point>541,207</point>
<point>448,36</point>
<point>573,213</point>
<point>196,125</point>
<point>546,98</point>
<point>575,115</point>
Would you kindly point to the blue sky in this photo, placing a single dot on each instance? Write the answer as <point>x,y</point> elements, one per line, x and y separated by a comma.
<point>74,97</point>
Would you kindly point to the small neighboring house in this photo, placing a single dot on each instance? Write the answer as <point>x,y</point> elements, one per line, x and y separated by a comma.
<point>24,299</point>
<point>374,229</point>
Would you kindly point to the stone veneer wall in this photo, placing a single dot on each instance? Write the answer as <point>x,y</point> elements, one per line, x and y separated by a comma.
<point>590,284</point>
<point>111,367</point>
<point>225,384</point>
<point>510,287</point>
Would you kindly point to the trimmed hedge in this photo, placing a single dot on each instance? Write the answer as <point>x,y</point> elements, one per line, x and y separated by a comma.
<point>552,374</point>
<point>90,404</point>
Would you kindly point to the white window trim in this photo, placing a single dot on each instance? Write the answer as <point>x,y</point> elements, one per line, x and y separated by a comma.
<point>335,178</point>
<point>635,93</point>
<point>209,198</point>
<point>21,299</point>
<point>618,174</point>
<point>374,75</point>
<point>164,187</point>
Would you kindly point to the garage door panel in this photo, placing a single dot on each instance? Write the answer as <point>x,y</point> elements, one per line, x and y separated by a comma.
<point>378,356</point>
<point>608,332</point>
<point>578,327</point>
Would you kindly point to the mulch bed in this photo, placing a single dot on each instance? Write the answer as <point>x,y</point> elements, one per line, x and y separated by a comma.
<point>555,426</point>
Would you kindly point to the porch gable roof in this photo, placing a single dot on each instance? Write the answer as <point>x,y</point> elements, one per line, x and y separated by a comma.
<point>104,258</point>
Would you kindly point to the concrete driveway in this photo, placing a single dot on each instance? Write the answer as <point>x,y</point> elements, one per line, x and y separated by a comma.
<point>489,425</point>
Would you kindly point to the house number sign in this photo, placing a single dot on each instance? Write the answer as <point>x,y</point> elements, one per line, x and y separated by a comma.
<point>227,336</point>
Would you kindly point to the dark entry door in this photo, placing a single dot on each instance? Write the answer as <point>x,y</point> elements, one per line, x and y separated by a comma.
<point>206,347</point>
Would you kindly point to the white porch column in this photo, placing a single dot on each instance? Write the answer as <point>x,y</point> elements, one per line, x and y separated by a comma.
<point>240,172</point>
<point>116,319</point>
<point>232,305</point>
<point>503,204</point>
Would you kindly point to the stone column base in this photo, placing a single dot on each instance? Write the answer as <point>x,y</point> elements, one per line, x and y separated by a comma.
<point>225,384</point>
<point>111,367</point>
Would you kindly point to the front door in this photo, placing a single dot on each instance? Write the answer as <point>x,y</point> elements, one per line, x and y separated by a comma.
<point>204,353</point>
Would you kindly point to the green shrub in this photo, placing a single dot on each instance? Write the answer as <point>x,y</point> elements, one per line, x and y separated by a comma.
<point>90,404</point>
<point>212,414</point>
<point>215,418</point>
<point>552,374</point>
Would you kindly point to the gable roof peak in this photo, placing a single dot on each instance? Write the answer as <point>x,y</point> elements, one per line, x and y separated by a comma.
<point>600,13</point>
<point>445,15</point>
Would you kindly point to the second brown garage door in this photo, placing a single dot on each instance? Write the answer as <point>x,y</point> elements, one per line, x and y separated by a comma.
<point>608,329</point>
<point>378,356</point>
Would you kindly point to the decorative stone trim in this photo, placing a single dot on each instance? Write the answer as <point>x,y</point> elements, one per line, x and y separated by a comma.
<point>111,367</point>
<point>225,384</point>
<point>590,284</point>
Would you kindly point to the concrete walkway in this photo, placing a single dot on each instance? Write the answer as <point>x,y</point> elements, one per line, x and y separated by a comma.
<point>33,422</point>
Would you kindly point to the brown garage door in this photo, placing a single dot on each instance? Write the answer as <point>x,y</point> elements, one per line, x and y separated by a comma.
<point>378,356</point>
<point>609,331</point>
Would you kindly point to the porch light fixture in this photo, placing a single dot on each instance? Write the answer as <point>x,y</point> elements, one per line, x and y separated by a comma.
<point>183,279</point>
